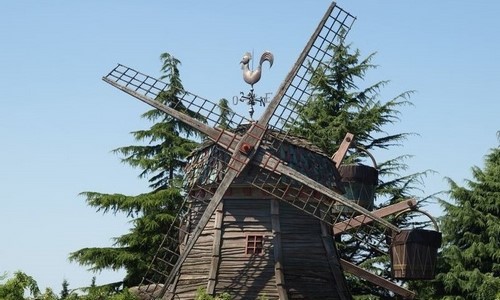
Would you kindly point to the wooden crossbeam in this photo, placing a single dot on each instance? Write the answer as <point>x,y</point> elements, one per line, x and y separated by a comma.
<point>366,219</point>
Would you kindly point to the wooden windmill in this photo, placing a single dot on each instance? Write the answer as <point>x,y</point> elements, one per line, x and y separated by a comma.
<point>262,206</point>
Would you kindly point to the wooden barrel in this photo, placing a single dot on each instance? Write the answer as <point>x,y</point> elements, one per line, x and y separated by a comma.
<point>414,253</point>
<point>359,182</point>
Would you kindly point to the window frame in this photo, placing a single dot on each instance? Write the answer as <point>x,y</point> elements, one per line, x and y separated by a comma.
<point>254,244</point>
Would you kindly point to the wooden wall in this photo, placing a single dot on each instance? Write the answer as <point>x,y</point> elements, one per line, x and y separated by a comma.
<point>307,255</point>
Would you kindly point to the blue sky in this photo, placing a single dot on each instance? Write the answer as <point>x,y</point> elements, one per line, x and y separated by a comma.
<point>59,121</point>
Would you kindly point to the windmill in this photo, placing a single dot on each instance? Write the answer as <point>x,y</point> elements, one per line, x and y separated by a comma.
<point>257,219</point>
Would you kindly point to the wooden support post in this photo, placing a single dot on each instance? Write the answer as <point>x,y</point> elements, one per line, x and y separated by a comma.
<point>334,261</point>
<point>381,213</point>
<point>375,279</point>
<point>278,256</point>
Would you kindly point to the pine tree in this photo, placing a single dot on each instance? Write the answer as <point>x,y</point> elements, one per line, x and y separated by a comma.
<point>225,114</point>
<point>469,263</point>
<point>160,159</point>
<point>65,290</point>
<point>339,106</point>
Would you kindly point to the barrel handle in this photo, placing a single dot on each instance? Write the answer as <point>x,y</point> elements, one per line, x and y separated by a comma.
<point>369,155</point>
<point>433,220</point>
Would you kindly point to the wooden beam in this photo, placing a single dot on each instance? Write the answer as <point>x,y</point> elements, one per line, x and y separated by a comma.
<point>366,219</point>
<point>333,262</point>
<point>375,279</point>
<point>278,255</point>
<point>216,249</point>
<point>338,156</point>
<point>279,168</point>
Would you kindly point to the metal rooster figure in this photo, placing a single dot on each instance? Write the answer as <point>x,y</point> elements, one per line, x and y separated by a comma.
<point>253,76</point>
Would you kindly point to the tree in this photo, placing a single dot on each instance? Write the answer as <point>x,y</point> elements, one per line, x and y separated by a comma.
<point>225,114</point>
<point>23,287</point>
<point>469,264</point>
<point>65,290</point>
<point>338,106</point>
<point>15,287</point>
<point>161,160</point>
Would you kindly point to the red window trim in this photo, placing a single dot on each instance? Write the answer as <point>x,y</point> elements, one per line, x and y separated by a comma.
<point>254,244</point>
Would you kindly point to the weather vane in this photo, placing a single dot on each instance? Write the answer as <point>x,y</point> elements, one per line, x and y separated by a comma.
<point>253,76</point>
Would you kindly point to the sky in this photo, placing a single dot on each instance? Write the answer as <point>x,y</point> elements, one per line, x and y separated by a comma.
<point>59,121</point>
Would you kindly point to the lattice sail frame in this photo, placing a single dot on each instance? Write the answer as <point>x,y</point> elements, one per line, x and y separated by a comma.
<point>274,177</point>
<point>296,90</point>
<point>151,88</point>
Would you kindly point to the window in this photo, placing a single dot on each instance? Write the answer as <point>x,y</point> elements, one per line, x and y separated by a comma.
<point>255,244</point>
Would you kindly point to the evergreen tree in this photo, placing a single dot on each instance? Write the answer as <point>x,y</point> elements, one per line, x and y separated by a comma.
<point>65,290</point>
<point>338,106</point>
<point>469,264</point>
<point>161,160</point>
<point>16,287</point>
<point>225,114</point>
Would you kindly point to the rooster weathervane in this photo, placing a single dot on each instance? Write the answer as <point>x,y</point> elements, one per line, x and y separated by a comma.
<point>252,77</point>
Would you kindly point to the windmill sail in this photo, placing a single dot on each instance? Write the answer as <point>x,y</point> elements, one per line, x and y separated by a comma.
<point>148,89</point>
<point>296,91</point>
<point>296,88</point>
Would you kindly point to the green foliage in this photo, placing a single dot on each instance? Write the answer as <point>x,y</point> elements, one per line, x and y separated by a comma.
<point>339,106</point>
<point>65,290</point>
<point>48,295</point>
<point>225,114</point>
<point>469,266</point>
<point>366,297</point>
<point>168,139</point>
<point>161,159</point>
<point>25,287</point>
<point>201,294</point>
<point>16,287</point>
<point>105,292</point>
<point>152,215</point>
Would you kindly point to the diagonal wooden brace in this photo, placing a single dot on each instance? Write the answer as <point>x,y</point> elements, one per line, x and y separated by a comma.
<point>375,279</point>
<point>365,219</point>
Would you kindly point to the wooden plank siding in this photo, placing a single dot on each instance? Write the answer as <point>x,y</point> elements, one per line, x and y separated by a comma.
<point>307,268</point>
<point>195,270</point>
<point>297,259</point>
<point>246,276</point>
